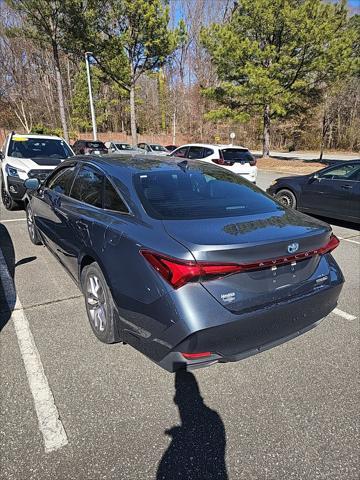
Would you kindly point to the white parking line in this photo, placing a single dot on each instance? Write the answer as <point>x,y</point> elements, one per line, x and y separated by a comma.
<point>50,425</point>
<point>349,240</point>
<point>13,220</point>
<point>345,315</point>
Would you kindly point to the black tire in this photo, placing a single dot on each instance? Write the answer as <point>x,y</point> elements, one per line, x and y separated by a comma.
<point>99,303</point>
<point>7,200</point>
<point>32,229</point>
<point>286,198</point>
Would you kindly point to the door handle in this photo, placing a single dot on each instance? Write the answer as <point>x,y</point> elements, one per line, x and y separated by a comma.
<point>346,187</point>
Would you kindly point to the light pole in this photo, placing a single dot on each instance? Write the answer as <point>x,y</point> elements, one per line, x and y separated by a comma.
<point>93,119</point>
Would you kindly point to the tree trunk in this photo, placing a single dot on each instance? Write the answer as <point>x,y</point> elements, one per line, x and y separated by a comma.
<point>266,139</point>
<point>60,92</point>
<point>133,115</point>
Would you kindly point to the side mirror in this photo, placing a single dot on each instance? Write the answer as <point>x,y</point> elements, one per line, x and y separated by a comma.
<point>32,184</point>
<point>314,177</point>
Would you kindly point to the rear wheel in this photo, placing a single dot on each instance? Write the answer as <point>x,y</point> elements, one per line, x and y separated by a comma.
<point>286,197</point>
<point>32,229</point>
<point>99,303</point>
<point>7,200</point>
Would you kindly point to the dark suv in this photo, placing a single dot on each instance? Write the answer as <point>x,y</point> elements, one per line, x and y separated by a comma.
<point>87,147</point>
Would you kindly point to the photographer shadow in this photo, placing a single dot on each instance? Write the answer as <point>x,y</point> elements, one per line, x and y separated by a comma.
<point>197,449</point>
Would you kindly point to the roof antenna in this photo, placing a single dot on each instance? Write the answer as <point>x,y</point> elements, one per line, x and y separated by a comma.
<point>184,165</point>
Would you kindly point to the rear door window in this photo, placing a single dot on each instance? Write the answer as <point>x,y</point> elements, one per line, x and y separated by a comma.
<point>88,186</point>
<point>112,200</point>
<point>195,152</point>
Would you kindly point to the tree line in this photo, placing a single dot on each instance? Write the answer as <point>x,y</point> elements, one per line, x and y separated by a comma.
<point>278,72</point>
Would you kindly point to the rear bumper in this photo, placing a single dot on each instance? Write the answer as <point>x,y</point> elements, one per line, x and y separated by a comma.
<point>254,332</point>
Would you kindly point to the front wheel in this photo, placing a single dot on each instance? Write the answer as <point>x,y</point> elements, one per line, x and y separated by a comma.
<point>99,303</point>
<point>32,229</point>
<point>7,199</point>
<point>286,198</point>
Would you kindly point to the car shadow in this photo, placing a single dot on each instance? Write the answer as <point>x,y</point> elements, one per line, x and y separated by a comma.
<point>7,275</point>
<point>197,448</point>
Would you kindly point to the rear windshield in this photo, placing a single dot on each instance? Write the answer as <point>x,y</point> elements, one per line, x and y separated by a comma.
<point>236,155</point>
<point>206,192</point>
<point>123,146</point>
<point>158,148</point>
<point>22,147</point>
<point>95,145</point>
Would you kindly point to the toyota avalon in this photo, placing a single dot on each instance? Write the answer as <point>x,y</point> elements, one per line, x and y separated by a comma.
<point>185,261</point>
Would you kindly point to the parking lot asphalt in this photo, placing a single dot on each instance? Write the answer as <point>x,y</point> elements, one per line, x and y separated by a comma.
<point>290,412</point>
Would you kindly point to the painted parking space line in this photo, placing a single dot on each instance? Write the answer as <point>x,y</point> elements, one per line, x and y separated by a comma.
<point>50,425</point>
<point>343,314</point>
<point>349,240</point>
<point>22,219</point>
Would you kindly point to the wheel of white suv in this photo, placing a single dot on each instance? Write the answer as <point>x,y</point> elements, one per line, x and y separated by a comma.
<point>6,199</point>
<point>99,303</point>
<point>32,230</point>
<point>286,197</point>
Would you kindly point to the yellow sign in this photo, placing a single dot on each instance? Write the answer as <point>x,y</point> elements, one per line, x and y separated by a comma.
<point>19,139</point>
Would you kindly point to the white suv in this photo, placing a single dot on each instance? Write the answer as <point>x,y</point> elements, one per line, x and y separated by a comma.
<point>28,156</point>
<point>235,158</point>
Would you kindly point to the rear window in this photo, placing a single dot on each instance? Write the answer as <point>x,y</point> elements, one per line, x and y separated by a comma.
<point>205,192</point>
<point>95,145</point>
<point>236,155</point>
<point>123,146</point>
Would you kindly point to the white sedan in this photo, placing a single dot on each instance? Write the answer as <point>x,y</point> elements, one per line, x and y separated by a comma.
<point>235,158</point>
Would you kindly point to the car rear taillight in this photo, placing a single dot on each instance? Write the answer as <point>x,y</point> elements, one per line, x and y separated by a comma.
<point>252,162</point>
<point>218,161</point>
<point>195,356</point>
<point>180,272</point>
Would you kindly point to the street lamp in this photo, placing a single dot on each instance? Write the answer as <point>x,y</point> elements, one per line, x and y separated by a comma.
<point>93,120</point>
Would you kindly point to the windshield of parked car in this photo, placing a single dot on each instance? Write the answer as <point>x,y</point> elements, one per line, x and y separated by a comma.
<point>199,193</point>
<point>158,148</point>
<point>236,155</point>
<point>123,146</point>
<point>22,147</point>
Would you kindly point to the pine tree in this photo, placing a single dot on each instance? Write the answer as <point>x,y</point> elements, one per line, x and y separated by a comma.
<point>276,57</point>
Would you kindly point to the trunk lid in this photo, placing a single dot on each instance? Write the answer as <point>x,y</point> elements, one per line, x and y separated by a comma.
<point>251,239</point>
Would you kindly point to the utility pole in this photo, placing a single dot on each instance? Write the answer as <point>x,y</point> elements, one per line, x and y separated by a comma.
<point>174,128</point>
<point>93,119</point>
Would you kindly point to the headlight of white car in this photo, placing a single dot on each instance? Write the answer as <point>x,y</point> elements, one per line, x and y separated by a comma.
<point>15,172</point>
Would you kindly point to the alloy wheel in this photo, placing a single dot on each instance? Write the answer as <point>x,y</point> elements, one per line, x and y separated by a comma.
<point>96,300</point>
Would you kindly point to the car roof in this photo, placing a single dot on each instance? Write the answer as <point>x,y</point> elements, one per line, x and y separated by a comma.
<point>129,164</point>
<point>35,135</point>
<point>212,145</point>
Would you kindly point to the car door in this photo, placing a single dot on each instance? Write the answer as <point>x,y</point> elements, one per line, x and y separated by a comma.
<point>329,192</point>
<point>46,205</point>
<point>354,191</point>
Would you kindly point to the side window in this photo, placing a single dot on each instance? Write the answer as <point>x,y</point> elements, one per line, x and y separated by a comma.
<point>88,186</point>
<point>62,180</point>
<point>180,152</point>
<point>195,152</point>
<point>207,152</point>
<point>112,200</point>
<point>355,175</point>
<point>340,172</point>
<point>141,145</point>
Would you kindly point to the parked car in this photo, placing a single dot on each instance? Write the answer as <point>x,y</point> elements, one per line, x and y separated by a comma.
<point>234,158</point>
<point>171,148</point>
<point>120,147</point>
<point>188,263</point>
<point>28,156</point>
<point>153,148</point>
<point>87,147</point>
<point>333,192</point>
